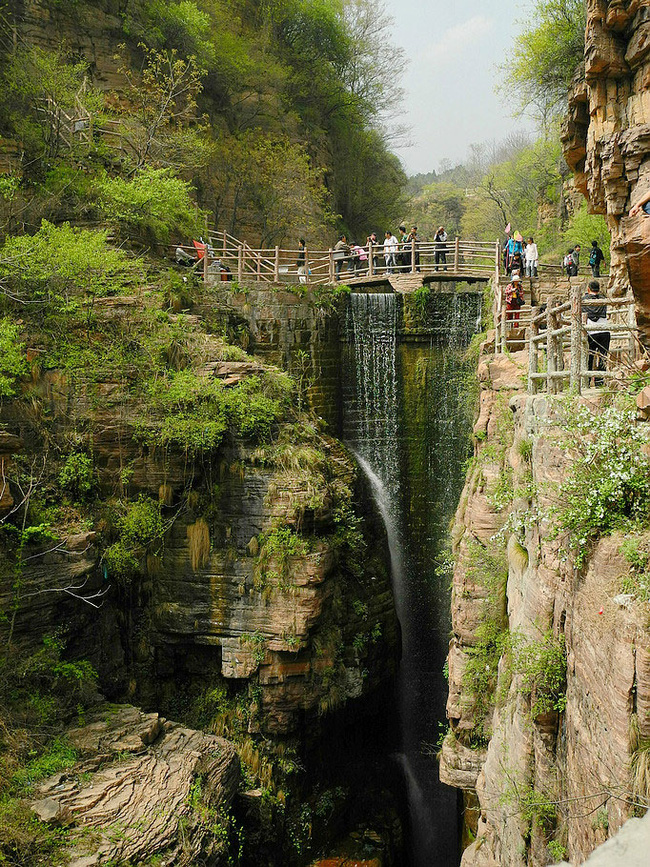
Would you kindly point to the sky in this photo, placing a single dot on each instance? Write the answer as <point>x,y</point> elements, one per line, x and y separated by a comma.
<point>454,47</point>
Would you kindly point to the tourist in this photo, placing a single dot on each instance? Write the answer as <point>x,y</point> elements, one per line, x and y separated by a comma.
<point>517,265</point>
<point>413,237</point>
<point>371,240</point>
<point>301,261</point>
<point>359,258</point>
<point>390,252</point>
<point>576,259</point>
<point>596,256</point>
<point>183,258</point>
<point>513,247</point>
<point>341,256</point>
<point>404,258</point>
<point>642,206</point>
<point>514,299</point>
<point>440,240</point>
<point>569,263</point>
<point>532,259</point>
<point>595,318</point>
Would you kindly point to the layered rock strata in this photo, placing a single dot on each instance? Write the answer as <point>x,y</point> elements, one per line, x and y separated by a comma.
<point>554,781</point>
<point>606,137</point>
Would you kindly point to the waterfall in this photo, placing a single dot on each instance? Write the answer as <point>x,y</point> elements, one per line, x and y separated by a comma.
<point>406,419</point>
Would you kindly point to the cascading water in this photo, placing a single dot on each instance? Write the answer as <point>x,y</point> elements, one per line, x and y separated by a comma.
<point>406,419</point>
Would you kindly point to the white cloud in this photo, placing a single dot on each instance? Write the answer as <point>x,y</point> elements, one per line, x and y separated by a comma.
<point>455,40</point>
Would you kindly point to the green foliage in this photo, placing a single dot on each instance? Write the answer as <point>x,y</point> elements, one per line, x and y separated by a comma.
<point>556,850</point>
<point>78,475</point>
<point>607,486</point>
<point>277,548</point>
<point>13,362</point>
<point>141,530</point>
<point>583,228</point>
<point>59,263</point>
<point>59,756</point>
<point>542,668</point>
<point>636,550</point>
<point>153,204</point>
<point>547,52</point>
<point>26,842</point>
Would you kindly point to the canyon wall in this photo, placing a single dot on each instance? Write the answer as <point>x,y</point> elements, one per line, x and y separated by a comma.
<point>553,779</point>
<point>606,137</point>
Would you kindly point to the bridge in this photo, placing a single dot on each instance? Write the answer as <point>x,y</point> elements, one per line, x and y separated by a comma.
<point>419,263</point>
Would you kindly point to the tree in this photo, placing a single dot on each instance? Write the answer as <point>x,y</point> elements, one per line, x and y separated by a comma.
<point>161,107</point>
<point>546,56</point>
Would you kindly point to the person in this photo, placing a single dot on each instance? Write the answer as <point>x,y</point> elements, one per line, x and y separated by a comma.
<point>598,338</point>
<point>341,255</point>
<point>517,265</point>
<point>404,257</point>
<point>372,239</point>
<point>413,236</point>
<point>514,246</point>
<point>596,256</point>
<point>440,240</point>
<point>183,258</point>
<point>360,259</point>
<point>514,299</point>
<point>569,263</point>
<point>532,259</point>
<point>642,206</point>
<point>301,261</point>
<point>390,252</point>
<point>576,259</point>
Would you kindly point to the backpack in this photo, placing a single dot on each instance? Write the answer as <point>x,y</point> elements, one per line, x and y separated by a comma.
<point>593,257</point>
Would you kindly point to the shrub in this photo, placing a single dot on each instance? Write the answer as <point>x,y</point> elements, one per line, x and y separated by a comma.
<point>78,475</point>
<point>607,486</point>
<point>542,668</point>
<point>13,362</point>
<point>152,205</point>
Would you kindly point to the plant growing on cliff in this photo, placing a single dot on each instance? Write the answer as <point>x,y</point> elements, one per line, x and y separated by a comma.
<point>141,530</point>
<point>607,485</point>
<point>541,666</point>
<point>78,475</point>
<point>13,362</point>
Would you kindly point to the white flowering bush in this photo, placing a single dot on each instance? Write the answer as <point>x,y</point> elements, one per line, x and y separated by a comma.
<point>608,485</point>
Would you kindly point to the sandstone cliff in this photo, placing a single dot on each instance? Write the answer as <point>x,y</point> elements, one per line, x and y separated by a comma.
<point>556,766</point>
<point>606,137</point>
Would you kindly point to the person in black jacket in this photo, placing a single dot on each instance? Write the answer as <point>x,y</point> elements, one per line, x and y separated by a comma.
<point>598,339</point>
<point>596,256</point>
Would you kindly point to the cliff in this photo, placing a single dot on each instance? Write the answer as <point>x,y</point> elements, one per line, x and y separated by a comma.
<point>549,664</point>
<point>606,137</point>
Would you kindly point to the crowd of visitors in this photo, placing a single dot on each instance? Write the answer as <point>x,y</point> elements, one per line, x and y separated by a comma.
<point>391,256</point>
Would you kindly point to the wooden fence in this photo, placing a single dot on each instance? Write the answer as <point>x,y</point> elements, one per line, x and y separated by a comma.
<point>557,341</point>
<point>455,259</point>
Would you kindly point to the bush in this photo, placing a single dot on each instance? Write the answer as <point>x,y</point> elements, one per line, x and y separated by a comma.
<point>542,668</point>
<point>78,475</point>
<point>13,362</point>
<point>607,486</point>
<point>153,205</point>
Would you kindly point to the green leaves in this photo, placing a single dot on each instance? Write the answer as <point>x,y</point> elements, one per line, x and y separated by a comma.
<point>13,362</point>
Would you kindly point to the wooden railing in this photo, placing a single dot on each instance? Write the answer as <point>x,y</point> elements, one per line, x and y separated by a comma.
<point>456,258</point>
<point>557,341</point>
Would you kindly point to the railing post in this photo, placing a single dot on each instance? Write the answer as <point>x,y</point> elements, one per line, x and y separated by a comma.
<point>498,259</point>
<point>276,265</point>
<point>205,260</point>
<point>533,349</point>
<point>259,266</point>
<point>371,260</point>
<point>504,335</point>
<point>331,260</point>
<point>412,255</point>
<point>306,265</point>
<point>225,245</point>
<point>576,339</point>
<point>551,366</point>
<point>240,264</point>
<point>631,321</point>
<point>456,254</point>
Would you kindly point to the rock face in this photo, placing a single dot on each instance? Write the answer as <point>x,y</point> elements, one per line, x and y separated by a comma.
<point>566,779</point>
<point>142,786</point>
<point>606,137</point>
